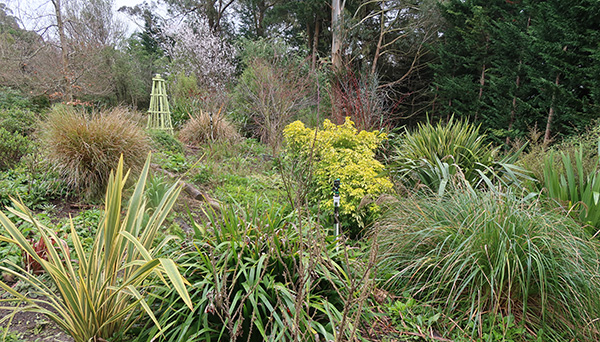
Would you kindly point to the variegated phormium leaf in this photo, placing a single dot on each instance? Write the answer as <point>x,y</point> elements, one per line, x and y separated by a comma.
<point>97,294</point>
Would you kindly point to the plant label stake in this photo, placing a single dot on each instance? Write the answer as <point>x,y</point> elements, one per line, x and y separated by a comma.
<point>336,206</point>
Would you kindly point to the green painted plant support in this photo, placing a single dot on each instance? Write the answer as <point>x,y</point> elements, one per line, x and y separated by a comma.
<point>159,114</point>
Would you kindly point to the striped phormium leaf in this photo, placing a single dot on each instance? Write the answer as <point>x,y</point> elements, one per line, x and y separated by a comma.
<point>98,293</point>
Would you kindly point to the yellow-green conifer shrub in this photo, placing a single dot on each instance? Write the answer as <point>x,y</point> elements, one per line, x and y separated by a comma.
<point>341,151</point>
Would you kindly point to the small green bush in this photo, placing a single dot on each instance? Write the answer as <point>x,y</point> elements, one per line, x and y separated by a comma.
<point>13,146</point>
<point>86,147</point>
<point>487,253</point>
<point>345,153</point>
<point>163,141</point>
<point>11,98</point>
<point>15,120</point>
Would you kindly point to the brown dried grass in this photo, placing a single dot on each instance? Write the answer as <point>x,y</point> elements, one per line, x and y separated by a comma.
<point>197,130</point>
<point>86,147</point>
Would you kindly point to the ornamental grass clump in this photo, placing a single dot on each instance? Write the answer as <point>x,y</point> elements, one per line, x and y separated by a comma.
<point>198,129</point>
<point>488,253</point>
<point>261,275</point>
<point>86,147</point>
<point>98,294</point>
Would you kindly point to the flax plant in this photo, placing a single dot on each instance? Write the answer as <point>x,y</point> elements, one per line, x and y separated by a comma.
<point>433,154</point>
<point>575,187</point>
<point>99,293</point>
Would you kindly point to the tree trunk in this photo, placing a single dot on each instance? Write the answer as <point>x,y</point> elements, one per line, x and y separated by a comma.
<point>379,42</point>
<point>63,48</point>
<point>551,114</point>
<point>481,84</point>
<point>315,43</point>
<point>513,110</point>
<point>336,29</point>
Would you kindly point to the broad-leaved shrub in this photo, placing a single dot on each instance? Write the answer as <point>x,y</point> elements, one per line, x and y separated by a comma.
<point>16,120</point>
<point>341,151</point>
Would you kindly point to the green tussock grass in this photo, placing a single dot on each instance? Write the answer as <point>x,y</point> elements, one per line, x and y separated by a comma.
<point>474,254</point>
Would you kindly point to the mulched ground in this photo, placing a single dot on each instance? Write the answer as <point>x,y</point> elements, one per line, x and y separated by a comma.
<point>31,326</point>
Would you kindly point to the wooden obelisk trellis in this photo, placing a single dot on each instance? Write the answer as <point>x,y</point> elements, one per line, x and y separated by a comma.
<point>159,114</point>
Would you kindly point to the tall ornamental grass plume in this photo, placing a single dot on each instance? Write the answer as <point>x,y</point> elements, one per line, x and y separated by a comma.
<point>476,254</point>
<point>199,130</point>
<point>86,147</point>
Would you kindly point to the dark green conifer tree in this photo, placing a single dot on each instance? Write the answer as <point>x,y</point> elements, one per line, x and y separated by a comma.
<point>514,65</point>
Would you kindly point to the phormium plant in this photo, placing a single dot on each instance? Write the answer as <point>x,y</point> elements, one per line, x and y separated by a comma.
<point>99,292</point>
<point>432,154</point>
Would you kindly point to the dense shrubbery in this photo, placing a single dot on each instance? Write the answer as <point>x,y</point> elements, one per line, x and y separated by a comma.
<point>345,153</point>
<point>479,253</point>
<point>16,120</point>
<point>13,99</point>
<point>17,123</point>
<point>13,146</point>
<point>85,147</point>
